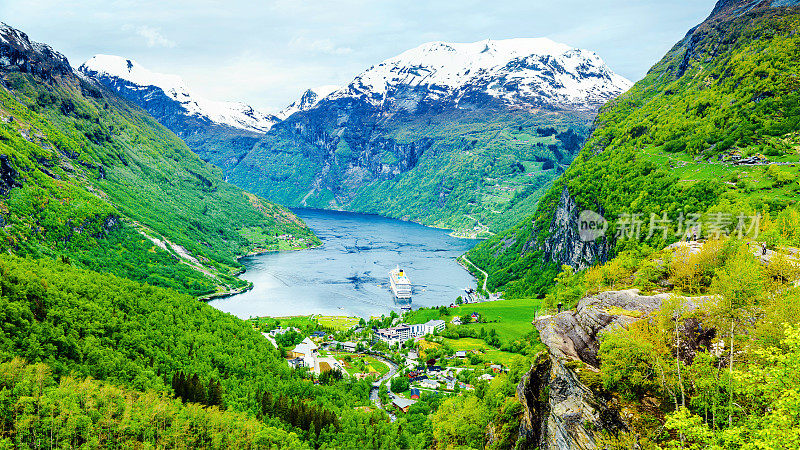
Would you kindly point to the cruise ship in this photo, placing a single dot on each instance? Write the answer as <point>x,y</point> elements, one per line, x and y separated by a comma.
<point>401,285</point>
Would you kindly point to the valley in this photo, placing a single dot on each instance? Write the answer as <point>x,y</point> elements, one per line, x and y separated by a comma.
<point>449,150</point>
<point>595,263</point>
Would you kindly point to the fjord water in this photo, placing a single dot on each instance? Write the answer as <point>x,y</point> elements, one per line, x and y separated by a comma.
<point>348,274</point>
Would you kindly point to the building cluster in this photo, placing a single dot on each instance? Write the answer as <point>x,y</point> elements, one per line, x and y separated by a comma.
<point>404,331</point>
<point>306,354</point>
<point>436,377</point>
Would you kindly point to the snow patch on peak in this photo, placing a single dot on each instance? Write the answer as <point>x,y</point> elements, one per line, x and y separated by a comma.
<point>235,114</point>
<point>523,71</point>
<point>308,100</point>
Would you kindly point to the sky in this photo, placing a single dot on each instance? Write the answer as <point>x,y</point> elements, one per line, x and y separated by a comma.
<point>266,53</point>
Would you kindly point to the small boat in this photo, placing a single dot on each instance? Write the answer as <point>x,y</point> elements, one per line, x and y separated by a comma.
<point>400,284</point>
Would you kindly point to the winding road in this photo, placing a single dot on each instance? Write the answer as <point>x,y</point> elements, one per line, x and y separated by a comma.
<point>376,386</point>
<point>485,275</point>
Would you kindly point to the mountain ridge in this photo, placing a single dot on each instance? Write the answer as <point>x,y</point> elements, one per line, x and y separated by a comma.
<point>116,69</point>
<point>417,136</point>
<point>522,72</point>
<point>678,143</point>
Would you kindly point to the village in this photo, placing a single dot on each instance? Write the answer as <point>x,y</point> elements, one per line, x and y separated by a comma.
<point>440,351</point>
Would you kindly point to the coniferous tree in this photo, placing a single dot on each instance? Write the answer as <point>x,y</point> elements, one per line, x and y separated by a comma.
<point>214,393</point>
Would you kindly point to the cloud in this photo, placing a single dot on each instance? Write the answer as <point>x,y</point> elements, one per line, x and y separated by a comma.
<point>318,46</point>
<point>152,36</point>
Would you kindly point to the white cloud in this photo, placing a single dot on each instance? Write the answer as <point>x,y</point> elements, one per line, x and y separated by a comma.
<point>318,46</point>
<point>258,79</point>
<point>152,36</point>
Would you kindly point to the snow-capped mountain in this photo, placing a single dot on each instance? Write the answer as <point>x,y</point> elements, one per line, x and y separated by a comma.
<point>393,139</point>
<point>144,86</point>
<point>308,100</point>
<point>520,72</point>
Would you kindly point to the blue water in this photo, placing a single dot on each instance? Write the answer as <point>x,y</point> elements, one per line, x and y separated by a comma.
<point>348,275</point>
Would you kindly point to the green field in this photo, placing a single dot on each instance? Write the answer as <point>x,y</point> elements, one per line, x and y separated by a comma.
<point>486,352</point>
<point>371,364</point>
<point>339,323</point>
<point>466,344</point>
<point>500,357</point>
<point>511,319</point>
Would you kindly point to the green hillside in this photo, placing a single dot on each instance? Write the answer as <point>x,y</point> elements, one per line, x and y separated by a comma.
<point>65,327</point>
<point>455,169</point>
<point>93,179</point>
<point>727,92</point>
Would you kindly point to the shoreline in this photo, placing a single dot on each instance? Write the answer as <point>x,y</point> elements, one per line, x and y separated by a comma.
<point>257,252</point>
<point>264,252</point>
<point>224,294</point>
<point>451,232</point>
<point>231,292</point>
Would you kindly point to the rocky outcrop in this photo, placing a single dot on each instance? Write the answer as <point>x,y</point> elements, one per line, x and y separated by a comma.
<point>19,54</point>
<point>560,411</point>
<point>575,334</point>
<point>564,244</point>
<point>9,177</point>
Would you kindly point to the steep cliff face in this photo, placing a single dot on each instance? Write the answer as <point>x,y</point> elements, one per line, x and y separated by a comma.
<point>343,153</point>
<point>564,242</point>
<point>560,410</point>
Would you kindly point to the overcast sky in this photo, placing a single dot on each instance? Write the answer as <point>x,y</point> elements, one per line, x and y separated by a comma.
<point>267,53</point>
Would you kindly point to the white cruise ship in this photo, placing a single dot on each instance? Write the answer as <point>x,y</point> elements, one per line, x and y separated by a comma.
<point>401,285</point>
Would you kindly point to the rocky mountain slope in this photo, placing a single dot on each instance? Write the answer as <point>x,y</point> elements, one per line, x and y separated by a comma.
<point>308,100</point>
<point>455,135</point>
<point>219,132</point>
<point>91,178</point>
<point>715,122</point>
<point>170,98</point>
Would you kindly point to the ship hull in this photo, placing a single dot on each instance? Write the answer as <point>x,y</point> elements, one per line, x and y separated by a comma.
<point>401,292</point>
<point>400,285</point>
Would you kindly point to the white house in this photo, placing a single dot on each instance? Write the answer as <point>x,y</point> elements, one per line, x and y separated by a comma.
<point>307,351</point>
<point>305,348</point>
<point>349,346</point>
<point>433,326</point>
<point>430,384</point>
<point>404,331</point>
